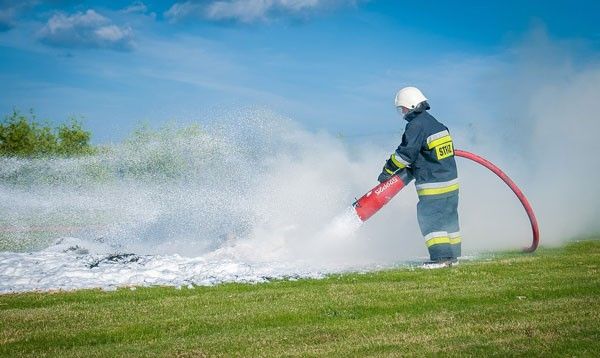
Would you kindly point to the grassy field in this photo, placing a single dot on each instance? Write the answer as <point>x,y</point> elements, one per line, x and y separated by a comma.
<point>546,304</point>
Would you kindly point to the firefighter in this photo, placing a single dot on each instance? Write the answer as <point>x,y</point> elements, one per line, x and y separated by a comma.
<point>427,154</point>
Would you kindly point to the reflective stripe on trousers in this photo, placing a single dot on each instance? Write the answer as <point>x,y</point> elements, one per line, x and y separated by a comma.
<point>438,220</point>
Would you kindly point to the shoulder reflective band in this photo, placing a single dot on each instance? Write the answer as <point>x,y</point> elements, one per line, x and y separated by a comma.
<point>532,219</point>
<point>444,150</point>
<point>438,138</point>
<point>441,143</point>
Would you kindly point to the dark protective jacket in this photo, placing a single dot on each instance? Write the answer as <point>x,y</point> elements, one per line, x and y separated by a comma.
<point>427,152</point>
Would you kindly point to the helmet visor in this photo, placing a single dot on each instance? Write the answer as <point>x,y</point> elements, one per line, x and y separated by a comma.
<point>402,110</point>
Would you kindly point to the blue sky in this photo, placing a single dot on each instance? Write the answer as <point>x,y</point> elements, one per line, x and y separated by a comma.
<point>328,64</point>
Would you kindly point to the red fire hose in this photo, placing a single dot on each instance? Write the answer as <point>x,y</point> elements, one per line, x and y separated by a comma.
<point>514,188</point>
<point>380,195</point>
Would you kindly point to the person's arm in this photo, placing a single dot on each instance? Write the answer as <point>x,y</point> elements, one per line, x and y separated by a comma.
<point>405,154</point>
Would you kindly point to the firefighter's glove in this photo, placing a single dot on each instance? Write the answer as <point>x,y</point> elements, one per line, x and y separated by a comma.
<point>384,176</point>
<point>387,171</point>
<point>391,166</point>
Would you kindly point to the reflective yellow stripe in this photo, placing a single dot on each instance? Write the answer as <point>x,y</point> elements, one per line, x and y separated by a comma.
<point>436,191</point>
<point>437,240</point>
<point>395,161</point>
<point>444,151</point>
<point>389,171</point>
<point>455,240</point>
<point>439,141</point>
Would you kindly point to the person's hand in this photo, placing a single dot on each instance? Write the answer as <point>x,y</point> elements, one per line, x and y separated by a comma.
<point>388,170</point>
<point>384,176</point>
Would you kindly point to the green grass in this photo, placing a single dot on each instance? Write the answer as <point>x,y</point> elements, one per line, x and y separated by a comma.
<point>545,304</point>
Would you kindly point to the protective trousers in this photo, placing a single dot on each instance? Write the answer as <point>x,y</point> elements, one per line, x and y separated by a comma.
<point>438,220</point>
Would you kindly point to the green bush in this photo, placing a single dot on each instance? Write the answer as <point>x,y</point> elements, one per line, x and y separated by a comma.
<point>23,136</point>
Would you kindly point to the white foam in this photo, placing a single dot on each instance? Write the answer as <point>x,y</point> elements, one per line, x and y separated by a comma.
<point>246,199</point>
<point>70,265</point>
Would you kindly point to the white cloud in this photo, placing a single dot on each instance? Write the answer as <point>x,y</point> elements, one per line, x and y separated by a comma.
<point>181,10</point>
<point>111,33</point>
<point>86,29</point>
<point>137,7</point>
<point>249,11</point>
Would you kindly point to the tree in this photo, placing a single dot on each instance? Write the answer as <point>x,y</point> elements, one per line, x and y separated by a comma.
<point>73,139</point>
<point>24,137</point>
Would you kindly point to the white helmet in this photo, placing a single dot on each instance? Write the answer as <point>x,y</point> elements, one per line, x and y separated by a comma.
<point>409,97</point>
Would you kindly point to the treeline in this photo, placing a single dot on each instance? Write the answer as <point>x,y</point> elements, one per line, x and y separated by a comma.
<point>24,136</point>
